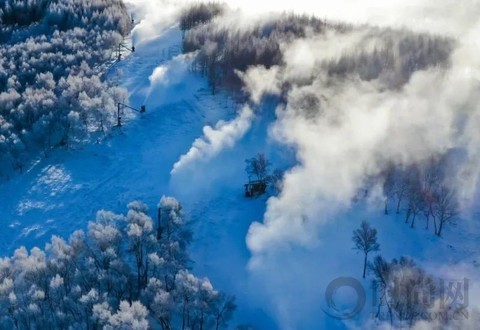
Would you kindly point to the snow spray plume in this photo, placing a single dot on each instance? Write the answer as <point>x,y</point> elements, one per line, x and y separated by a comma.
<point>395,96</point>
<point>214,140</point>
<point>167,75</point>
<point>358,101</point>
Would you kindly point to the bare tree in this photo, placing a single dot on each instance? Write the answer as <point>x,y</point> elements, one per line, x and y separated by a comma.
<point>365,240</point>
<point>411,290</point>
<point>382,270</point>
<point>223,309</point>
<point>432,177</point>
<point>389,186</point>
<point>276,179</point>
<point>445,208</point>
<point>401,185</point>
<point>414,195</point>
<point>258,166</point>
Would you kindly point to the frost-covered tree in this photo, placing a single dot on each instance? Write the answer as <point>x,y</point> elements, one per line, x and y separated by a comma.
<point>52,58</point>
<point>141,240</point>
<point>174,236</point>
<point>117,275</point>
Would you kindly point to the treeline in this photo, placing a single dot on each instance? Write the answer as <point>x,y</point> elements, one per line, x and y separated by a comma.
<point>222,50</point>
<point>397,54</point>
<point>63,15</point>
<point>422,190</point>
<point>199,13</point>
<point>52,56</point>
<point>422,193</point>
<point>125,272</point>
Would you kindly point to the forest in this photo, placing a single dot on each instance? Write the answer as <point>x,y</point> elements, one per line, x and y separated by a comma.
<point>124,272</point>
<point>53,57</point>
<point>224,51</point>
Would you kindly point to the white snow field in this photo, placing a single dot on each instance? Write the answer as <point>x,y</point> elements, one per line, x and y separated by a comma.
<point>61,193</point>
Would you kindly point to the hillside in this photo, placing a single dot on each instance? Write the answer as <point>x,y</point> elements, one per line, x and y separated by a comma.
<point>336,107</point>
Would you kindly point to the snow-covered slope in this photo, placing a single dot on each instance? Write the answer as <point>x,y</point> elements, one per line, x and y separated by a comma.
<point>62,192</point>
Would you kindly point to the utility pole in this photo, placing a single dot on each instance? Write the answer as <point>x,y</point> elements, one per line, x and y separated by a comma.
<point>119,50</point>
<point>121,106</point>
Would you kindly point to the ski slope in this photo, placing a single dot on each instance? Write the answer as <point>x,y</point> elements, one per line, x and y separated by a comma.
<point>61,193</point>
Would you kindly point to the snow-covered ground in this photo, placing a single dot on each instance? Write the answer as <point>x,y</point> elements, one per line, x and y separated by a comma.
<point>63,192</point>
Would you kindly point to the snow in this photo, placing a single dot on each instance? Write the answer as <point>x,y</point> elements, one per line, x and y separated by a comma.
<point>61,193</point>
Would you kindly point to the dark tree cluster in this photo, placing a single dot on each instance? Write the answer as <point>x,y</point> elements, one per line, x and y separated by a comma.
<point>118,275</point>
<point>393,58</point>
<point>199,13</point>
<point>396,56</point>
<point>52,56</point>
<point>422,190</point>
<point>223,51</point>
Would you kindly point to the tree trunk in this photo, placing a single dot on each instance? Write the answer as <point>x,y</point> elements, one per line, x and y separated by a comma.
<point>413,220</point>
<point>440,227</point>
<point>159,225</point>
<point>386,207</point>
<point>398,203</point>
<point>407,215</point>
<point>183,316</point>
<point>365,265</point>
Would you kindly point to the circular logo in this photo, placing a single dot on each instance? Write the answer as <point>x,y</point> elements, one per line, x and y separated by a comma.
<point>344,313</point>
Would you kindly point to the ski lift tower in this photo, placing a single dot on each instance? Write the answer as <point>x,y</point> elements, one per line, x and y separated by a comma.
<point>123,46</point>
<point>121,107</point>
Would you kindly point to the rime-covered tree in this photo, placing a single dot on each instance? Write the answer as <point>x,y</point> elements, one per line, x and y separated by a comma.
<point>111,277</point>
<point>365,240</point>
<point>174,236</point>
<point>52,89</point>
<point>142,242</point>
